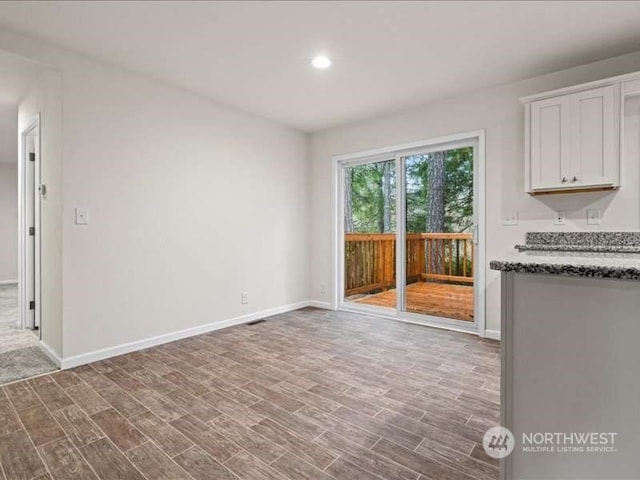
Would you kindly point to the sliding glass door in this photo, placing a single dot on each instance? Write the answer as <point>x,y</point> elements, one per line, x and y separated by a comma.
<point>370,233</point>
<point>408,233</point>
<point>439,224</point>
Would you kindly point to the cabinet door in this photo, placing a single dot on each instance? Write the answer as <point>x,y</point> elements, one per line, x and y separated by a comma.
<point>550,143</point>
<point>594,140</point>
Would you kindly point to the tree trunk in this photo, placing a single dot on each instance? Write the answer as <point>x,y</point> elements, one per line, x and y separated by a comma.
<point>379,167</point>
<point>386,195</point>
<point>436,177</point>
<point>348,207</point>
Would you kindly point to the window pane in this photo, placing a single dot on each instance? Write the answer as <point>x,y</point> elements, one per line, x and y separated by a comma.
<point>370,225</point>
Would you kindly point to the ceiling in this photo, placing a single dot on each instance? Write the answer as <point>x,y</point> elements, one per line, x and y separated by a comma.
<point>16,75</point>
<point>387,56</point>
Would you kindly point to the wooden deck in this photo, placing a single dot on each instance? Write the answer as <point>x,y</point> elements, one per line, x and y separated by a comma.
<point>441,300</point>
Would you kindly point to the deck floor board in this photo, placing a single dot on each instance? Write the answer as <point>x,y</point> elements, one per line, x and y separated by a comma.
<point>438,299</point>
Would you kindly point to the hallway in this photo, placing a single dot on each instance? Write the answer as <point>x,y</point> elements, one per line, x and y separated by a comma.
<point>20,355</point>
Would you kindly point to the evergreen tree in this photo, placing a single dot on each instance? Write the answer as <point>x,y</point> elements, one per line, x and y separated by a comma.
<point>439,194</point>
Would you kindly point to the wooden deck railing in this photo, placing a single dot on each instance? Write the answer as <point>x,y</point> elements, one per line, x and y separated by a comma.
<point>370,259</point>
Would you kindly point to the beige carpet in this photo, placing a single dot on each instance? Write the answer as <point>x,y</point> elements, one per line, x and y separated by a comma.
<point>20,355</point>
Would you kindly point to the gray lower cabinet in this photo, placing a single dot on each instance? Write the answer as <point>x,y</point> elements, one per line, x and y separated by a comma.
<point>571,368</point>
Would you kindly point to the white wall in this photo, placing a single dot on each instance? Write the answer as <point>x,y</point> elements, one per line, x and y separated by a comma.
<point>190,203</point>
<point>9,219</point>
<point>8,192</point>
<point>497,111</point>
<point>44,97</point>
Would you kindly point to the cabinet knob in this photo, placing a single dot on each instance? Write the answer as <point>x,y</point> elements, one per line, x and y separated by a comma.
<point>564,179</point>
<point>574,179</point>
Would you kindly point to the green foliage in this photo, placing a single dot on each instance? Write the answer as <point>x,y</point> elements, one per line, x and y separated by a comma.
<point>368,198</point>
<point>458,191</point>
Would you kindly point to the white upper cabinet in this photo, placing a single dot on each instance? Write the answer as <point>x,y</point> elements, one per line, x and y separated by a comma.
<point>550,143</point>
<point>596,137</point>
<point>573,141</point>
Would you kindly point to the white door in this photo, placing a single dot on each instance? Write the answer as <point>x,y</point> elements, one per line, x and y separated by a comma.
<point>30,234</point>
<point>29,274</point>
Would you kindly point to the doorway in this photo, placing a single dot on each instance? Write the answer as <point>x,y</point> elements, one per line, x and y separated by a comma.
<point>21,353</point>
<point>410,229</point>
<point>30,119</point>
<point>29,227</point>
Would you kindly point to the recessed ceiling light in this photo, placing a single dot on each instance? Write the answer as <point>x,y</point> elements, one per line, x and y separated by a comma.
<point>321,62</point>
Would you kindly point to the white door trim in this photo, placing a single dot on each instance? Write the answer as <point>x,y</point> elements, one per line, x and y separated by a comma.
<point>23,226</point>
<point>396,152</point>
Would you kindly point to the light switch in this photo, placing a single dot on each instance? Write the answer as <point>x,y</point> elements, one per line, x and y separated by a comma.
<point>82,216</point>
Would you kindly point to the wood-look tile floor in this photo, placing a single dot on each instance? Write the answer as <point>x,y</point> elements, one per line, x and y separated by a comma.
<point>310,394</point>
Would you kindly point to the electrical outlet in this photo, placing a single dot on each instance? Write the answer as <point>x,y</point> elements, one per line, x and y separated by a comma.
<point>244,298</point>
<point>323,289</point>
<point>510,219</point>
<point>560,218</point>
<point>593,217</point>
<point>82,216</point>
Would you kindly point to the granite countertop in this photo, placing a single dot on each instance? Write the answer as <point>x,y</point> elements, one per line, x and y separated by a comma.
<point>584,254</point>
<point>582,241</point>
<point>579,248</point>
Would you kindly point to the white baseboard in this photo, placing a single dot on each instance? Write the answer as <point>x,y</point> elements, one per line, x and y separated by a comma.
<point>104,353</point>
<point>96,355</point>
<point>492,334</point>
<point>8,282</point>
<point>317,304</point>
<point>48,351</point>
